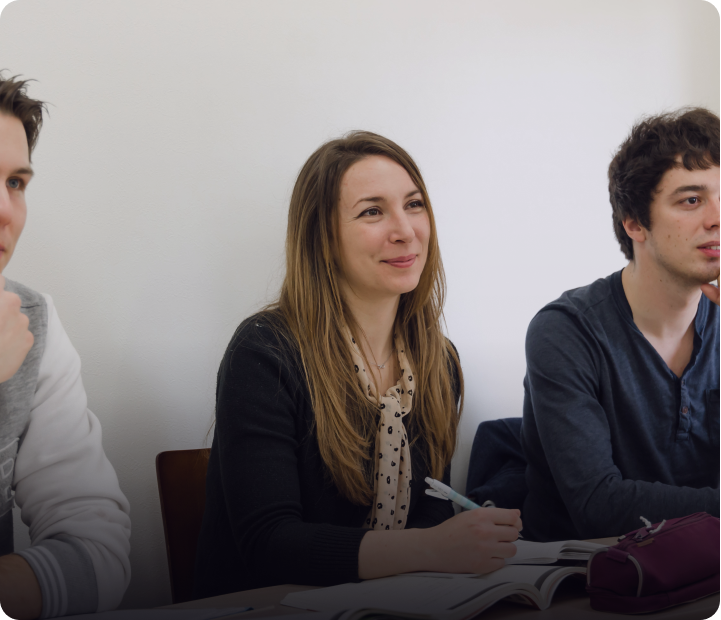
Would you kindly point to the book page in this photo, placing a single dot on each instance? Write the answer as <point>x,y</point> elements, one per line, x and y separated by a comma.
<point>421,594</point>
<point>535,553</point>
<point>550,582</point>
<point>400,593</point>
<point>162,614</point>
<point>578,550</point>
<point>548,553</point>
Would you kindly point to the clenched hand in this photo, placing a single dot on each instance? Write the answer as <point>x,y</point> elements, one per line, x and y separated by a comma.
<point>16,340</point>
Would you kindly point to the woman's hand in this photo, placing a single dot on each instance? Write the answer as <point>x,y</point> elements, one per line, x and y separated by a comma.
<point>476,541</point>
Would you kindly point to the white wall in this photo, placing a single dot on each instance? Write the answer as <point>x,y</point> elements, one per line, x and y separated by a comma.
<point>176,128</point>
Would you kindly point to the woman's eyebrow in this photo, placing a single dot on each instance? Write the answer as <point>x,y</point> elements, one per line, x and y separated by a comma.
<point>381,199</point>
<point>370,199</point>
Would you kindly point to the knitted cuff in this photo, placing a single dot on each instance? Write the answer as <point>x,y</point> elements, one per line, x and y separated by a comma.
<point>335,554</point>
<point>66,575</point>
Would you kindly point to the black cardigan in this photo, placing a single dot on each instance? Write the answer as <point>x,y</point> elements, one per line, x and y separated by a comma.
<point>272,514</point>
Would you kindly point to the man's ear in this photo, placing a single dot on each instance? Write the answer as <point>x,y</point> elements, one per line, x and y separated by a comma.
<point>634,230</point>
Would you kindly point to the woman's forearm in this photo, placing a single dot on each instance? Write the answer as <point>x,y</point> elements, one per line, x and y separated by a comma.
<point>391,552</point>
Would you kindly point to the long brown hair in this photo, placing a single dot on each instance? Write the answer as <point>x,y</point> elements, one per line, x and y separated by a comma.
<point>313,312</point>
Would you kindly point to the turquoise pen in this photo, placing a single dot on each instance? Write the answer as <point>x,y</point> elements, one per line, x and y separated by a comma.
<point>445,492</point>
<point>448,493</point>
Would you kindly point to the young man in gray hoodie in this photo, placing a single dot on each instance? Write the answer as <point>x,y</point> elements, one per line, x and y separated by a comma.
<point>52,463</point>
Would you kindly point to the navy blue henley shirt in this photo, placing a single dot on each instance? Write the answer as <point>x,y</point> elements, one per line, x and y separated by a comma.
<point>609,431</point>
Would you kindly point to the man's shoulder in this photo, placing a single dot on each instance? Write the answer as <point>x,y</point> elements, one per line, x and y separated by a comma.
<point>29,297</point>
<point>580,300</point>
<point>587,308</point>
<point>709,313</point>
<point>707,324</point>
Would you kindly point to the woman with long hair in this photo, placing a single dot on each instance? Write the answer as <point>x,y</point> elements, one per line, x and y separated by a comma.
<point>335,403</point>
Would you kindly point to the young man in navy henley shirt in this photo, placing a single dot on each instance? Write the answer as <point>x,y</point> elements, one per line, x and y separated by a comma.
<point>621,409</point>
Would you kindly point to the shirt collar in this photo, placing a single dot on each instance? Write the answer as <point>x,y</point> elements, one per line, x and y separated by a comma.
<point>700,319</point>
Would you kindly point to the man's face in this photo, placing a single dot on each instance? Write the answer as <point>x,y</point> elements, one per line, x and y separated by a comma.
<point>684,234</point>
<point>15,174</point>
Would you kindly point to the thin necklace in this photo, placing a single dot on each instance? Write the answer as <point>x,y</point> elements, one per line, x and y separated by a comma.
<point>383,365</point>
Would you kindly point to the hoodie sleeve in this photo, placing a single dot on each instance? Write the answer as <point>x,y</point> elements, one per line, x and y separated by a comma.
<point>68,491</point>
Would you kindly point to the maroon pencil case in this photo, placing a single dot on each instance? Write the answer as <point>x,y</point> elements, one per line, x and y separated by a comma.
<point>657,566</point>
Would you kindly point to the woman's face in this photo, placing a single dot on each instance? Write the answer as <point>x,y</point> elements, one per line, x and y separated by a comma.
<point>383,230</point>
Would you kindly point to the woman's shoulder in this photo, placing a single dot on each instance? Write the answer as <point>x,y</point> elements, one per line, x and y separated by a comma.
<point>449,344</point>
<point>454,368</point>
<point>265,333</point>
<point>454,358</point>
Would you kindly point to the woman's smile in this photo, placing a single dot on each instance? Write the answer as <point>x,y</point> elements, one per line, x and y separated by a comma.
<point>402,262</point>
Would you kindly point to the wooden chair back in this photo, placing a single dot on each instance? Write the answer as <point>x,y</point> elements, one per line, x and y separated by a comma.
<point>181,486</point>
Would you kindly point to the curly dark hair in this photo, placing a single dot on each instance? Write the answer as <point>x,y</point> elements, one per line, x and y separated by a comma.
<point>648,153</point>
<point>15,102</point>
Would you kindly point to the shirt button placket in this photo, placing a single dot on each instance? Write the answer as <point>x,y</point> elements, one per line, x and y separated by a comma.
<point>684,423</point>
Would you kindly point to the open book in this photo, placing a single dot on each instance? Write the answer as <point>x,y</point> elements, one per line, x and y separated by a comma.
<point>161,614</point>
<point>430,596</point>
<point>539,553</point>
<point>548,553</point>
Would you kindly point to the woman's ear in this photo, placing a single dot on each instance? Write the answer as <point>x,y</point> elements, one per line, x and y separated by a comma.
<point>635,230</point>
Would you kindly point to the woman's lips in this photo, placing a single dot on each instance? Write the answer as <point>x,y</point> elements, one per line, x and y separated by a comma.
<point>402,262</point>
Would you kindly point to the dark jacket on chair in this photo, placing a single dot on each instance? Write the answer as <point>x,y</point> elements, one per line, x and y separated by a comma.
<point>497,468</point>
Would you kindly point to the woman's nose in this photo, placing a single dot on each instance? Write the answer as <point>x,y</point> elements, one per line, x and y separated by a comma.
<point>402,229</point>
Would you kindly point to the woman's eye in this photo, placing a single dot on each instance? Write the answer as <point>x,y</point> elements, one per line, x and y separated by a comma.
<point>416,204</point>
<point>373,211</point>
<point>15,183</point>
